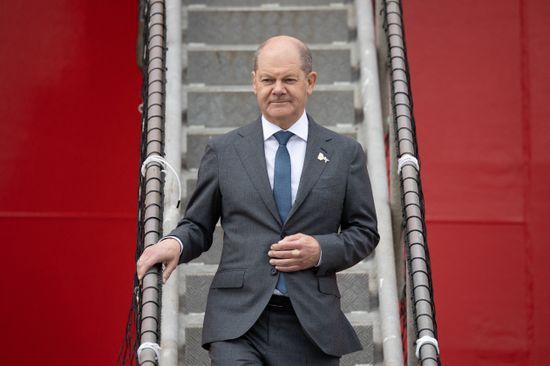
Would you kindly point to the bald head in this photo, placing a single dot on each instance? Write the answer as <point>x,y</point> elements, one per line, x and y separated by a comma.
<point>286,43</point>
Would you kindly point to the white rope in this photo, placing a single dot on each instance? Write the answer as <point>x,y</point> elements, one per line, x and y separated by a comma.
<point>407,159</point>
<point>149,345</point>
<point>426,340</point>
<point>159,159</point>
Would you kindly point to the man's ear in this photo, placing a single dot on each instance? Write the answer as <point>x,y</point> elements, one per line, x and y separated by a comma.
<point>253,77</point>
<point>311,79</point>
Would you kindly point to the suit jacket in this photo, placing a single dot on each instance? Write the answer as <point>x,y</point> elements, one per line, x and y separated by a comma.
<point>333,203</point>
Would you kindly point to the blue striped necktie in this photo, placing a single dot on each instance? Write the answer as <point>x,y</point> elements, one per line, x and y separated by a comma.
<point>282,189</point>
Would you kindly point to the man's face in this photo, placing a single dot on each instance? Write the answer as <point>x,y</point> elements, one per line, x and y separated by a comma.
<point>280,84</point>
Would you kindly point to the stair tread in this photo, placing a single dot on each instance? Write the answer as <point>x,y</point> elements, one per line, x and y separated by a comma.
<point>196,46</point>
<point>212,131</point>
<point>202,88</point>
<point>357,318</point>
<point>252,25</point>
<point>223,3</point>
<point>201,268</point>
<point>267,7</point>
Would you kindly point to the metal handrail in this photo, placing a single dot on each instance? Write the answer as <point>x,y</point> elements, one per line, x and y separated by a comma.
<point>423,336</point>
<point>151,189</point>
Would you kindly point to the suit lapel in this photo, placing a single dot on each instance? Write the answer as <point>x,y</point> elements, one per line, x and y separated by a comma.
<point>318,142</point>
<point>252,155</point>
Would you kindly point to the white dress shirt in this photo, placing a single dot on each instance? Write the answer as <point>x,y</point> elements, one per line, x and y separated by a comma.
<point>296,147</point>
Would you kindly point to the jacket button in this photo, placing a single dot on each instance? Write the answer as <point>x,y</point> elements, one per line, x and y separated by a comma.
<point>273,271</point>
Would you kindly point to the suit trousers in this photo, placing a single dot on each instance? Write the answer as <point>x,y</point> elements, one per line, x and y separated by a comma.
<point>276,339</point>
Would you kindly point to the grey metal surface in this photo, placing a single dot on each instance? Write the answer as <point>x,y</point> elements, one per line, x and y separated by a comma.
<point>173,129</point>
<point>226,65</point>
<point>354,289</point>
<point>353,284</point>
<point>259,2</point>
<point>236,106</point>
<point>232,25</point>
<point>192,354</point>
<point>363,327</point>
<point>193,291</point>
<point>198,138</point>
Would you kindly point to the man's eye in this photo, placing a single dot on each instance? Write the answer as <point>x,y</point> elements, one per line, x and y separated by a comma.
<point>267,81</point>
<point>290,81</point>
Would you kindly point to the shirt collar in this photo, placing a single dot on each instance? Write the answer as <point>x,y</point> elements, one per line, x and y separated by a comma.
<point>299,128</point>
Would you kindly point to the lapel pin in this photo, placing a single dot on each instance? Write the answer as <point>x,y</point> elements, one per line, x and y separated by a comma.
<point>322,157</point>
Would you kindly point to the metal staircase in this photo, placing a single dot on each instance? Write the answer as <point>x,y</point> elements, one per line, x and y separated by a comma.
<point>211,53</point>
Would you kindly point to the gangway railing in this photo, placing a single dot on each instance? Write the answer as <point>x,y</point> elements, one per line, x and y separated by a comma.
<point>151,334</point>
<point>420,333</point>
<point>151,189</point>
<point>421,328</point>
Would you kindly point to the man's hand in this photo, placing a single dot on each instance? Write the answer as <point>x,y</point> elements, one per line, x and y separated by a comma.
<point>295,253</point>
<point>166,251</point>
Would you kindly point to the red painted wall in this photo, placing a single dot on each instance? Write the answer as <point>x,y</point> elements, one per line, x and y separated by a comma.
<point>68,172</point>
<point>69,131</point>
<point>480,81</point>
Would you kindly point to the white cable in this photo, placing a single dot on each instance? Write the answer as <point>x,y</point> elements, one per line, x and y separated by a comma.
<point>149,345</point>
<point>426,340</point>
<point>407,159</point>
<point>159,159</point>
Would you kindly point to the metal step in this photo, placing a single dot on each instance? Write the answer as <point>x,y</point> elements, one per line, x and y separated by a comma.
<point>192,354</point>
<point>231,65</point>
<point>258,2</point>
<point>253,25</point>
<point>353,284</point>
<point>233,106</point>
<point>198,136</point>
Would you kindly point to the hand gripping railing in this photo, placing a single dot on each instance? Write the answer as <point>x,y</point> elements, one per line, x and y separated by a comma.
<point>422,306</point>
<point>151,187</point>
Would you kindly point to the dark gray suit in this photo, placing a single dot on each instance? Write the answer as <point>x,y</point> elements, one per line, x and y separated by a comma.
<point>334,204</point>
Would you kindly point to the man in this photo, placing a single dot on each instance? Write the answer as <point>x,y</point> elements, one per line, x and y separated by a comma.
<point>296,207</point>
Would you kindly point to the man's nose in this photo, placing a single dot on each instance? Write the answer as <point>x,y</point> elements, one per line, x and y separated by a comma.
<point>278,88</point>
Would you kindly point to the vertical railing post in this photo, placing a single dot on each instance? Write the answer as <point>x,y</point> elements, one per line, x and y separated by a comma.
<point>372,132</point>
<point>170,328</point>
